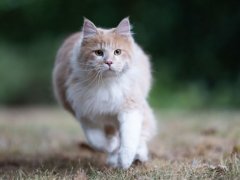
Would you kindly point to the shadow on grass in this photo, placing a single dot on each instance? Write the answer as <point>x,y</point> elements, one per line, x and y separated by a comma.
<point>59,164</point>
<point>88,162</point>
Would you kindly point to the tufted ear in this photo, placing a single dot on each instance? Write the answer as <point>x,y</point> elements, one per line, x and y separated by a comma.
<point>88,29</point>
<point>124,27</point>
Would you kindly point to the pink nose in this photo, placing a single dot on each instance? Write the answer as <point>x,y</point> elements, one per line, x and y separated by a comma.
<point>108,63</point>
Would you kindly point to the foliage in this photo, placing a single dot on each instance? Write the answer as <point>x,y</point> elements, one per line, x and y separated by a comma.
<point>193,45</point>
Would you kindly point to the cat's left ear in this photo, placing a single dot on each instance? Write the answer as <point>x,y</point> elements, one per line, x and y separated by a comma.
<point>124,27</point>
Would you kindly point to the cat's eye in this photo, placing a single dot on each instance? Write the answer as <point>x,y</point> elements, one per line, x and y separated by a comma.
<point>117,52</point>
<point>99,52</point>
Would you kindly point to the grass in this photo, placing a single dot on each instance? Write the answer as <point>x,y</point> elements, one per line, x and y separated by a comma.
<point>47,143</point>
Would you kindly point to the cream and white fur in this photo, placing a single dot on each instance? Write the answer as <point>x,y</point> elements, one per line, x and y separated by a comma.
<point>112,107</point>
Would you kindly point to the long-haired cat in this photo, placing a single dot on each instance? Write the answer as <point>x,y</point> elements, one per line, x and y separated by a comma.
<point>103,77</point>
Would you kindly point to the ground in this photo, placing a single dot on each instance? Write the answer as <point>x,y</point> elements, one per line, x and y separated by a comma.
<point>47,143</point>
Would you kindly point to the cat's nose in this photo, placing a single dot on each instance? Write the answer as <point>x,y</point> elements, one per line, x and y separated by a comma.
<point>109,62</point>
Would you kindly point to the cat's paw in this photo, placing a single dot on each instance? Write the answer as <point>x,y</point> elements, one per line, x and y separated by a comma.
<point>112,160</point>
<point>142,153</point>
<point>126,158</point>
<point>142,157</point>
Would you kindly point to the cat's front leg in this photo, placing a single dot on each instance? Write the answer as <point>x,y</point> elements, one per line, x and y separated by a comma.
<point>130,130</point>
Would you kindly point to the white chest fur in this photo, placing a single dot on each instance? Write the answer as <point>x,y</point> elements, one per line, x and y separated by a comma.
<point>103,98</point>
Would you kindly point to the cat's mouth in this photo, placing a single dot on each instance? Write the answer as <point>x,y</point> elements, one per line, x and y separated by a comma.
<point>110,68</point>
<point>110,72</point>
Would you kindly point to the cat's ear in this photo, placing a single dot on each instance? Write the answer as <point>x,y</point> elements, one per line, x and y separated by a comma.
<point>88,29</point>
<point>124,27</point>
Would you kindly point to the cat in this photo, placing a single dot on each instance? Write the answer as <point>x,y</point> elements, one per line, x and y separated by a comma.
<point>103,78</point>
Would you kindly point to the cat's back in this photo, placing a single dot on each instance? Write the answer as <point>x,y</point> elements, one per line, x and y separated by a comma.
<point>64,52</point>
<point>143,66</point>
<point>62,69</point>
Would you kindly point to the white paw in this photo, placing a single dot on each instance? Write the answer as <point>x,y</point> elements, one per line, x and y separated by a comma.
<point>112,160</point>
<point>142,157</point>
<point>126,158</point>
<point>142,153</point>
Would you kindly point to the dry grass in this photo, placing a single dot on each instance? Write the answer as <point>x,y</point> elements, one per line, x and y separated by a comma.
<point>46,143</point>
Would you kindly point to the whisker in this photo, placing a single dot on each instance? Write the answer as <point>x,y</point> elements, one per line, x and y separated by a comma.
<point>93,81</point>
<point>88,79</point>
<point>99,72</point>
<point>101,76</point>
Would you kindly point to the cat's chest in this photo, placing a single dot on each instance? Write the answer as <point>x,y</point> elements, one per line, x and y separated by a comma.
<point>98,100</point>
<point>105,96</point>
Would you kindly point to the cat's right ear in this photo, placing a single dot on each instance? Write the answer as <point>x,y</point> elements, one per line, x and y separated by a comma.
<point>124,27</point>
<point>88,29</point>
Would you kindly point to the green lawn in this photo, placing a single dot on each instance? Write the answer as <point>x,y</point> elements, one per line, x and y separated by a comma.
<point>47,143</point>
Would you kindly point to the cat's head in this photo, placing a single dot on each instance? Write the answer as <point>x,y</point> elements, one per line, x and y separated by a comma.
<point>106,51</point>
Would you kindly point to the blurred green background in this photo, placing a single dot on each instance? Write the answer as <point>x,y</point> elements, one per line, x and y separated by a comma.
<point>194,47</point>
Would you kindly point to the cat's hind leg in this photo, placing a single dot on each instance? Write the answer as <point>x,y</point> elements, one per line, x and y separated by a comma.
<point>101,139</point>
<point>112,138</point>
